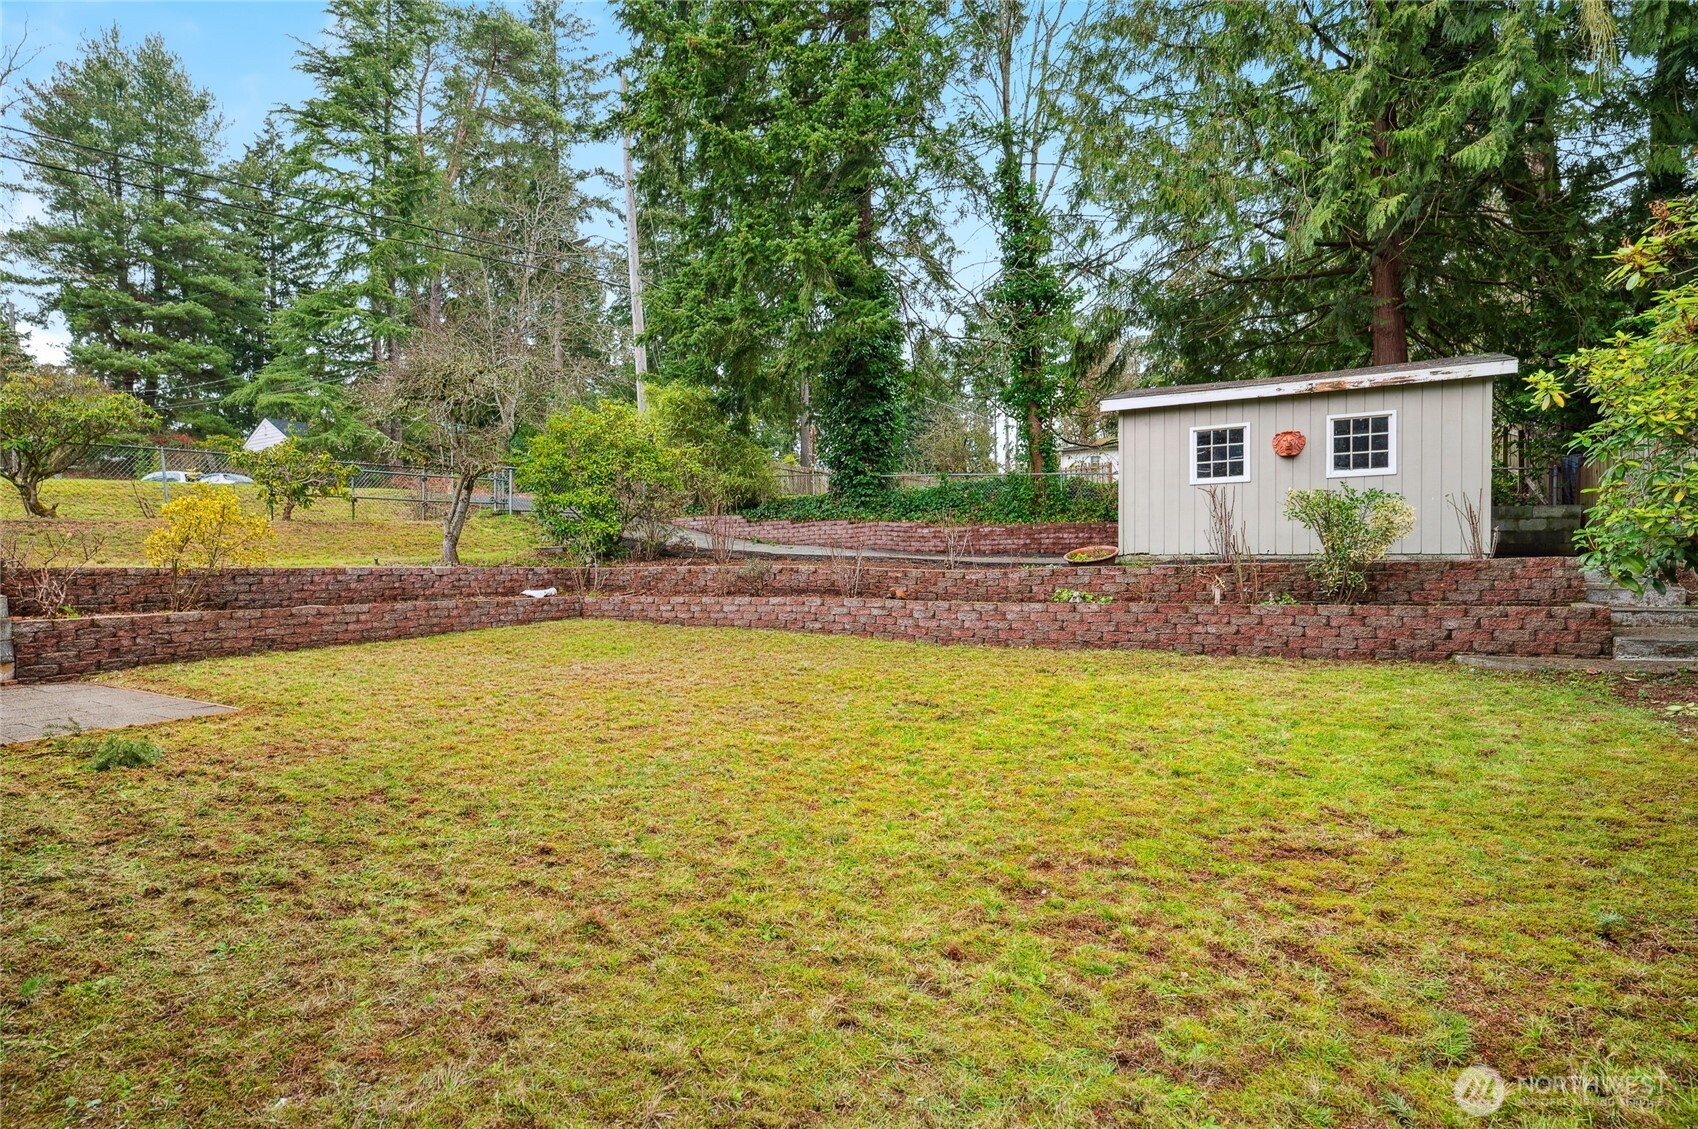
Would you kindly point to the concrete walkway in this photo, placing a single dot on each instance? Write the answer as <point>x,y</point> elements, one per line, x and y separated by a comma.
<point>28,713</point>
<point>699,539</point>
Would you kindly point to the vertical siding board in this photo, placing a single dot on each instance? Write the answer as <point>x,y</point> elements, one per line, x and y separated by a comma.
<point>1443,435</point>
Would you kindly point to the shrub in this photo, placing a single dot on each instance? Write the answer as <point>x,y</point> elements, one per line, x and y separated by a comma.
<point>1013,499</point>
<point>288,475</point>
<point>205,531</point>
<point>1642,521</point>
<point>124,752</point>
<point>44,563</point>
<point>49,420</point>
<point>735,470</point>
<point>599,473</point>
<point>1355,529</point>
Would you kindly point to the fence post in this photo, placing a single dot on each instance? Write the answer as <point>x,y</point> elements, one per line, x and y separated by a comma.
<point>164,476</point>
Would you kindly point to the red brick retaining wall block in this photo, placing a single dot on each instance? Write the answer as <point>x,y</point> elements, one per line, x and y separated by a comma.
<point>1425,610</point>
<point>66,648</point>
<point>1299,631</point>
<point>1524,580</point>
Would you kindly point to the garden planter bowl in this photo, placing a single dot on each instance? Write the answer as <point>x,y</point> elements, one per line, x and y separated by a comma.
<point>1092,554</point>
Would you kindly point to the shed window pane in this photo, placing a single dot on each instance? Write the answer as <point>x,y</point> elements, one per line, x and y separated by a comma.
<point>1219,453</point>
<point>1362,443</point>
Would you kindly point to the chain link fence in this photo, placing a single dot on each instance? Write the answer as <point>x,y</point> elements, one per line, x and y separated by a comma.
<point>399,492</point>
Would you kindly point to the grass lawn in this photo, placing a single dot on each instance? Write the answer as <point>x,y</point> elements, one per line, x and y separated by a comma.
<point>124,513</point>
<point>594,873</point>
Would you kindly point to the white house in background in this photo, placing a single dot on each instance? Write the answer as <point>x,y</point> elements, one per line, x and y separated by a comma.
<point>270,432</point>
<point>1101,460</point>
<point>1421,430</point>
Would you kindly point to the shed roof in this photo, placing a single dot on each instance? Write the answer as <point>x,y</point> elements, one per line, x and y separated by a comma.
<point>1342,380</point>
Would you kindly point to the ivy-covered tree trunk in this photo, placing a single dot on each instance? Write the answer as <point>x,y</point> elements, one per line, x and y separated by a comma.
<point>861,384</point>
<point>1029,298</point>
<point>861,389</point>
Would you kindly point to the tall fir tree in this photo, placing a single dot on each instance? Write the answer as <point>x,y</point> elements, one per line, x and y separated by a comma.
<point>1353,183</point>
<point>132,248</point>
<point>768,133</point>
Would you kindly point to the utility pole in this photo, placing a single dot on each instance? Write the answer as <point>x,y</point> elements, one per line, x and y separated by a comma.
<point>639,353</point>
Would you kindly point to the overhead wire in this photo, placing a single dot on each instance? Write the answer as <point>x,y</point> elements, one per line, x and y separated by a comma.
<point>185,194</point>
<point>370,217</point>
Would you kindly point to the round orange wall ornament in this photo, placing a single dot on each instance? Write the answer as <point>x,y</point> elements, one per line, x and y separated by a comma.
<point>1288,444</point>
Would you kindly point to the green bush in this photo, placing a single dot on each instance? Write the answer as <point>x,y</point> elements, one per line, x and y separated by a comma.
<point>1355,529</point>
<point>1013,499</point>
<point>601,473</point>
<point>735,470</point>
<point>124,752</point>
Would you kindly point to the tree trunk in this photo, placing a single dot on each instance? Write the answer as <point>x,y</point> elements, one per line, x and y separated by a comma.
<point>1035,439</point>
<point>30,491</point>
<point>1390,333</point>
<point>807,429</point>
<point>454,522</point>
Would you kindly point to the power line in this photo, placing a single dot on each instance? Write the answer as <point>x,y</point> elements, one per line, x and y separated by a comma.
<point>370,217</point>
<point>185,194</point>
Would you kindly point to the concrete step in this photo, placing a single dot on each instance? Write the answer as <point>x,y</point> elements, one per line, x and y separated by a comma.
<point>1657,643</point>
<point>1526,664</point>
<point>1601,590</point>
<point>1626,621</point>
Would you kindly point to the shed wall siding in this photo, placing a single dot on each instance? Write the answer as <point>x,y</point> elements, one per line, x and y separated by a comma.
<point>1443,449</point>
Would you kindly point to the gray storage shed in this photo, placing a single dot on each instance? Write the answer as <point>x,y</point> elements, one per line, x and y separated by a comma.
<point>1421,430</point>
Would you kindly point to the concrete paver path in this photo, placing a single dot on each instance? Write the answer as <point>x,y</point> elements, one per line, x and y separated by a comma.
<point>31,712</point>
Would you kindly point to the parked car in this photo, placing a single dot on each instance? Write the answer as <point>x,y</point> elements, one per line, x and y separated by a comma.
<point>166,476</point>
<point>225,478</point>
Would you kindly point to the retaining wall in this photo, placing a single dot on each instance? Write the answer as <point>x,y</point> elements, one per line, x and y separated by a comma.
<point>1300,631</point>
<point>1527,580</point>
<point>67,648</point>
<point>49,649</point>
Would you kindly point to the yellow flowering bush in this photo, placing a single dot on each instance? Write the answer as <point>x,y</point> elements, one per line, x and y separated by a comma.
<point>205,530</point>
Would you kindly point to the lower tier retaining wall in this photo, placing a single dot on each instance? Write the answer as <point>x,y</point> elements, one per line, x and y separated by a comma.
<point>66,648</point>
<point>1297,631</point>
<point>1527,580</point>
<point>51,649</point>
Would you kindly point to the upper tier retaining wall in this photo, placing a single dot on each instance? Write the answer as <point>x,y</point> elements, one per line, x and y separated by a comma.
<point>1039,540</point>
<point>1547,581</point>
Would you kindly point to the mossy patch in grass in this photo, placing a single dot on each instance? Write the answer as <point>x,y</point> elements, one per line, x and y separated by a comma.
<point>594,872</point>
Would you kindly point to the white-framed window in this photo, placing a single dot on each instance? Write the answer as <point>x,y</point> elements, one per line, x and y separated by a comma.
<point>1361,444</point>
<point>1220,453</point>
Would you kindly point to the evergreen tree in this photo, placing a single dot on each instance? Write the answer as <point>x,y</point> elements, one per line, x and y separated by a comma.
<point>1356,183</point>
<point>768,133</point>
<point>1009,138</point>
<point>132,248</point>
<point>273,225</point>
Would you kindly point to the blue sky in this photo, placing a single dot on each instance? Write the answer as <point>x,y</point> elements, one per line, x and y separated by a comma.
<point>242,50</point>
